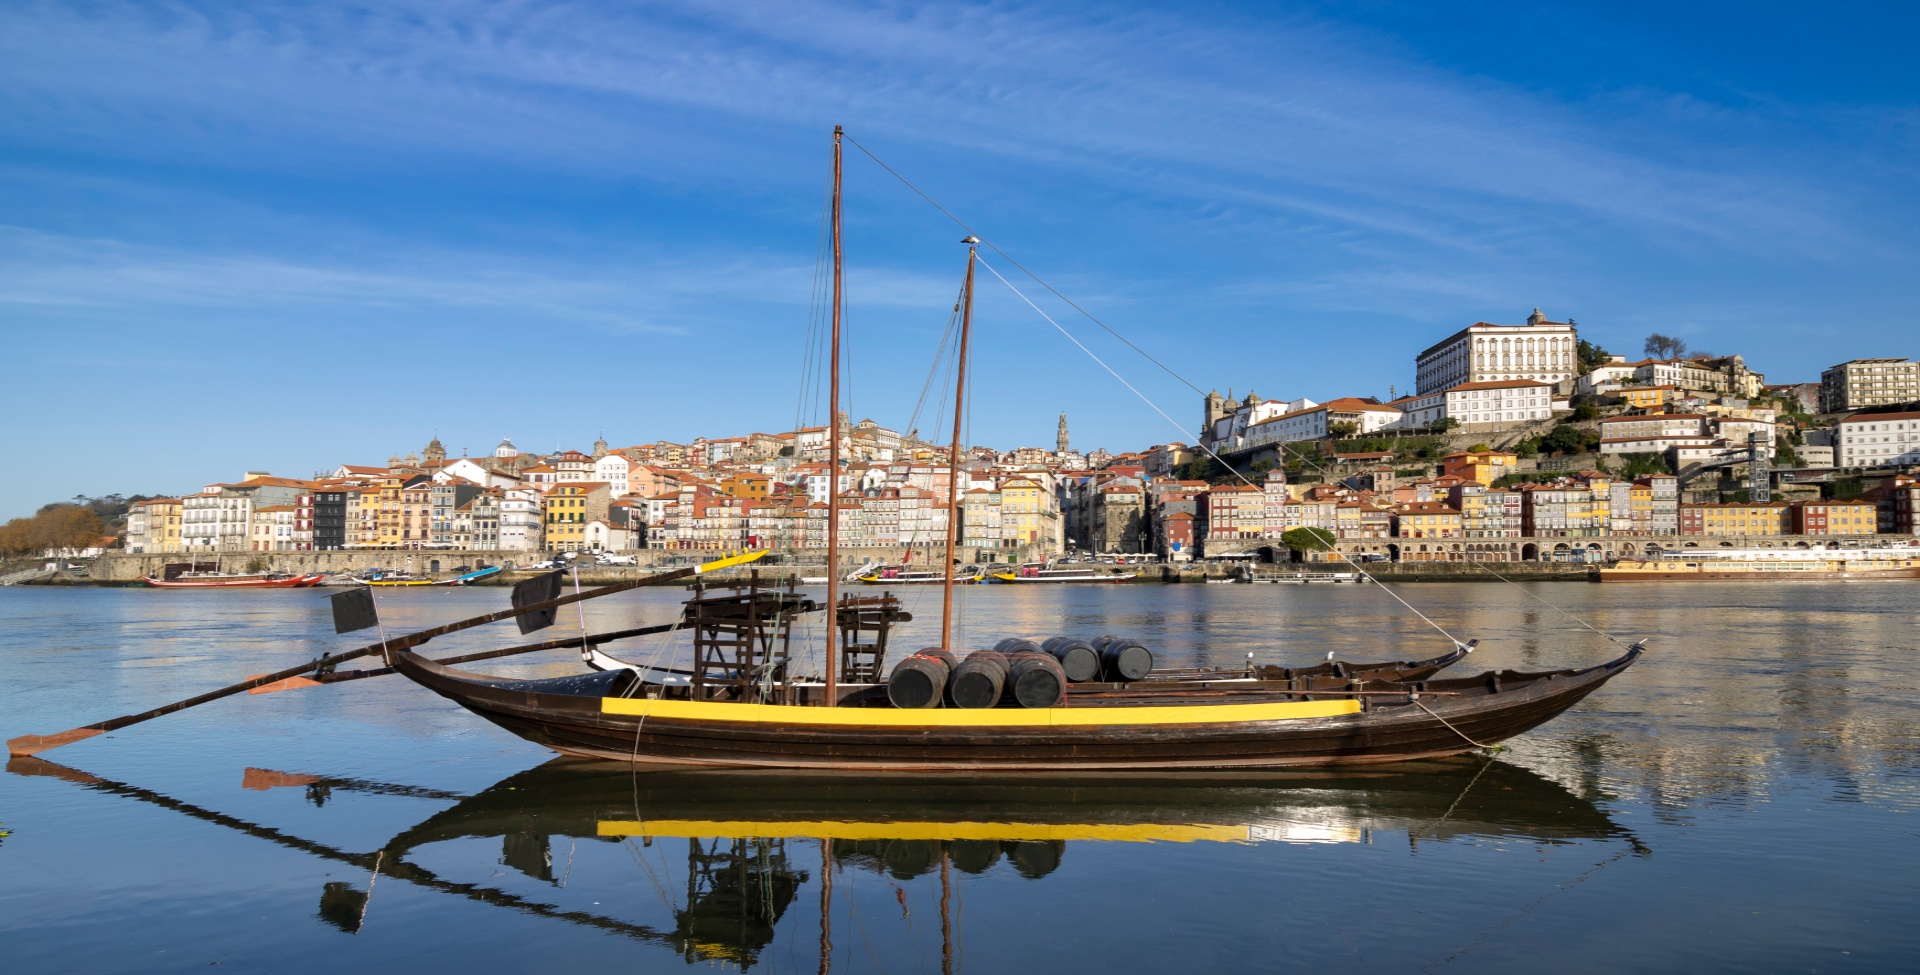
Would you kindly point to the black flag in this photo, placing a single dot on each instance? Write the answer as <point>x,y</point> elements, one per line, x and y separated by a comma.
<point>353,610</point>
<point>538,589</point>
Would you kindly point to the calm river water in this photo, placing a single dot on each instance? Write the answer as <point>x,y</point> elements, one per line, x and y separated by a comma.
<point>1743,800</point>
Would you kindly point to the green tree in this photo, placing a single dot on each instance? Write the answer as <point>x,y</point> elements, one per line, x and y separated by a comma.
<point>1345,428</point>
<point>1589,356</point>
<point>1586,411</point>
<point>1564,439</point>
<point>1478,448</point>
<point>1444,424</point>
<point>1308,539</point>
<point>1529,447</point>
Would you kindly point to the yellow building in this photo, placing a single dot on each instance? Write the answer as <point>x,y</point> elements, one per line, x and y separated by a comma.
<point>1426,519</point>
<point>1647,397</point>
<point>750,487</point>
<point>1753,518</point>
<point>163,525</point>
<point>1022,504</point>
<point>1482,466</point>
<point>569,507</point>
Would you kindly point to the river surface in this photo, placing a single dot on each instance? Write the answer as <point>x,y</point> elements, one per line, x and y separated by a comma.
<point>1744,800</point>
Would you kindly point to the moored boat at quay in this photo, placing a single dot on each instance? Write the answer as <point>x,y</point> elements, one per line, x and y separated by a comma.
<point>1046,572</point>
<point>1766,565</point>
<point>211,580</point>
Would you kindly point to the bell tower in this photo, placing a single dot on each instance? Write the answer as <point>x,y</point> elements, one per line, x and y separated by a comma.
<point>1060,441</point>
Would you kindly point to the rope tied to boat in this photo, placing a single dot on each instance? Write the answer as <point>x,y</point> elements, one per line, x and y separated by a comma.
<point>1494,749</point>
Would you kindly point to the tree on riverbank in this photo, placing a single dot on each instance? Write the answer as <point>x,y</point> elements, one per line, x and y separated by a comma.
<point>55,527</point>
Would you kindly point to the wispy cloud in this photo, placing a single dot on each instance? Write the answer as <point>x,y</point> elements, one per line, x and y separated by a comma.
<point>1296,116</point>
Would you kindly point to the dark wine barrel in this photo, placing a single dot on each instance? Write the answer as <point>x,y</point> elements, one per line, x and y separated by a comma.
<point>1015,644</point>
<point>1076,656</point>
<point>976,682</point>
<point>1035,679</point>
<point>919,681</point>
<point>1123,658</point>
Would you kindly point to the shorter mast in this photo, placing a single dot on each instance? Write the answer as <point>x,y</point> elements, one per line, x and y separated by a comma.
<point>832,679</point>
<point>953,456</point>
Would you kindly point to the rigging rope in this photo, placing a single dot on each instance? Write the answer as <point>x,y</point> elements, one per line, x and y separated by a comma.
<point>1023,268</point>
<point>1156,408</point>
<point>1450,727</point>
<point>1182,379</point>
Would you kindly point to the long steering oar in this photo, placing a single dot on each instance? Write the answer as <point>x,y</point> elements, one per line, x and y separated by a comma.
<point>33,744</point>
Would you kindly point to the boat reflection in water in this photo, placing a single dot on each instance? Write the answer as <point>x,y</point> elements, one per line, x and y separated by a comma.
<point>752,841</point>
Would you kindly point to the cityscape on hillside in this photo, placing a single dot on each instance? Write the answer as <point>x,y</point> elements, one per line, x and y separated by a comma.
<point>1518,440</point>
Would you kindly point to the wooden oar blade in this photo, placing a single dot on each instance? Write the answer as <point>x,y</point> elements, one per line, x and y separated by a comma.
<point>539,589</point>
<point>354,610</point>
<point>35,744</point>
<point>287,684</point>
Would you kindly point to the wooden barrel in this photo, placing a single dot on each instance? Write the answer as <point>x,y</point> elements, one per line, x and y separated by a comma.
<point>1076,656</point>
<point>1123,658</point>
<point>920,681</point>
<point>1015,644</point>
<point>977,681</point>
<point>1035,679</point>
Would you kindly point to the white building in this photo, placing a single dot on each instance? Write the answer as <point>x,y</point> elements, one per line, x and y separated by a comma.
<point>1861,383</point>
<point>1540,350</point>
<point>1318,421</point>
<point>520,516</point>
<point>1879,440</point>
<point>1480,407</point>
<point>468,469</point>
<point>614,470</point>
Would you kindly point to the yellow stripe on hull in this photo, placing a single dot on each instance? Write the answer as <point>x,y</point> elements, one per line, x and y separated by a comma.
<point>788,714</point>
<point>834,830</point>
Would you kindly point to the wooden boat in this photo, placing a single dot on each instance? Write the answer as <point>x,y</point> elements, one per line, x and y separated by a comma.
<point>1041,572</point>
<point>740,705</point>
<point>901,575</point>
<point>470,578</point>
<point>234,581</point>
<point>1765,565</point>
<point>599,715</point>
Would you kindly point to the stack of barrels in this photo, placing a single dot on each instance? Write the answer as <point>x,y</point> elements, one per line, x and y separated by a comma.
<point>1016,671</point>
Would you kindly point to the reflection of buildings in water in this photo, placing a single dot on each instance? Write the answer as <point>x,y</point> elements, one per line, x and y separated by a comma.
<point>741,876</point>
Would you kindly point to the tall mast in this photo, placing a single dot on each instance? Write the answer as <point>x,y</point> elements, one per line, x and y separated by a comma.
<point>833,456</point>
<point>953,457</point>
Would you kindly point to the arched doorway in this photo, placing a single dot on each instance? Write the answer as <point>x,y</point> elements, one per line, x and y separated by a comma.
<point>1393,553</point>
<point>1529,552</point>
<point>1267,555</point>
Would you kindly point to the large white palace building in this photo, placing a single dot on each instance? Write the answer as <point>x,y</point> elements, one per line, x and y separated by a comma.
<point>1540,350</point>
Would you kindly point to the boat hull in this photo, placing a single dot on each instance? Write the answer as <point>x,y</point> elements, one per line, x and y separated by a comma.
<point>294,582</point>
<point>1754,575</point>
<point>1334,730</point>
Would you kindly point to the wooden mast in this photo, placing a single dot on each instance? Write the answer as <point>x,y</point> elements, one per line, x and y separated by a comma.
<point>953,456</point>
<point>833,455</point>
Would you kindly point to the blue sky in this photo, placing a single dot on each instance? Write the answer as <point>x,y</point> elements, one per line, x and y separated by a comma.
<point>286,236</point>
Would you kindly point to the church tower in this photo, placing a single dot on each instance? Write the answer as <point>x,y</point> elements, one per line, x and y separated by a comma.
<point>1060,441</point>
<point>434,453</point>
<point>600,447</point>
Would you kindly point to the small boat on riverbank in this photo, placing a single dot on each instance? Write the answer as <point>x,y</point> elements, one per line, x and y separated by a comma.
<point>1765,565</point>
<point>901,575</point>
<point>1049,572</point>
<point>235,581</point>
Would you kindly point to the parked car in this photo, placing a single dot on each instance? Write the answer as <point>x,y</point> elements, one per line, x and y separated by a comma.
<point>608,558</point>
